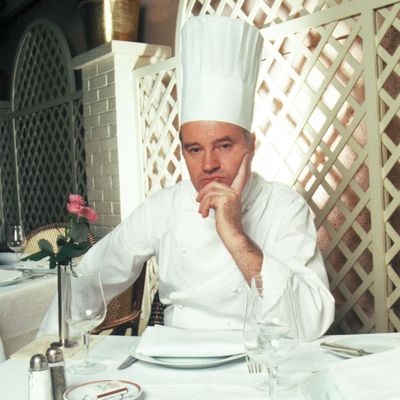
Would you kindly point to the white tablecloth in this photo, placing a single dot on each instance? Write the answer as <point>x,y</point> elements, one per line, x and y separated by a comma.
<point>22,309</point>
<point>230,381</point>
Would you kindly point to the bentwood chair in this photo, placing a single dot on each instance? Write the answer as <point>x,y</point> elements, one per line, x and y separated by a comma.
<point>123,311</point>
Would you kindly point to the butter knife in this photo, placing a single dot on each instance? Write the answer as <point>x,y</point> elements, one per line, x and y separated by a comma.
<point>341,348</point>
<point>128,362</point>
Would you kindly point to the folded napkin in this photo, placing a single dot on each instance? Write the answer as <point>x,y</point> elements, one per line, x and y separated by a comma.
<point>164,341</point>
<point>41,264</point>
<point>7,275</point>
<point>369,377</point>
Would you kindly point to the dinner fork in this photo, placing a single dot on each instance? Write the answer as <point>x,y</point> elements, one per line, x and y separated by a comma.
<point>253,367</point>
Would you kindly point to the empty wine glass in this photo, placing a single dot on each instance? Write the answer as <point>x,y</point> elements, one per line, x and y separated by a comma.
<point>16,239</point>
<point>85,308</point>
<point>270,332</point>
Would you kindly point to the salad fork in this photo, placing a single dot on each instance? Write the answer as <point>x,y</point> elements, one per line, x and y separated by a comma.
<point>253,366</point>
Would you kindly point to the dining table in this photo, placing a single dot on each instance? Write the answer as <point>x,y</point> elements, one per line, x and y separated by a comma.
<point>23,304</point>
<point>306,367</point>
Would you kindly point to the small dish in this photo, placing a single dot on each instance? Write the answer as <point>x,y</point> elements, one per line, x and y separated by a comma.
<point>373,344</point>
<point>104,389</point>
<point>8,258</point>
<point>12,281</point>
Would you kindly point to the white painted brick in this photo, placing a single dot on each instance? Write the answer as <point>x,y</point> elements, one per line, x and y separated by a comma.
<point>93,147</point>
<point>100,132</point>
<point>110,77</point>
<point>97,82</point>
<point>114,156</point>
<point>108,117</point>
<point>91,96</point>
<point>85,86</point>
<point>112,130</point>
<point>86,110</point>
<point>112,104</point>
<point>112,220</point>
<point>105,65</point>
<point>91,122</point>
<point>115,182</point>
<point>101,158</point>
<point>102,182</point>
<point>109,144</point>
<point>99,107</point>
<point>104,207</point>
<point>101,231</point>
<point>106,92</point>
<point>95,195</point>
<point>90,71</point>
<point>109,169</point>
<point>89,181</point>
<point>110,195</point>
<point>115,208</point>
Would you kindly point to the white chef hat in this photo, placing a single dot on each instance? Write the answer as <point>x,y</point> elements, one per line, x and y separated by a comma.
<point>220,63</point>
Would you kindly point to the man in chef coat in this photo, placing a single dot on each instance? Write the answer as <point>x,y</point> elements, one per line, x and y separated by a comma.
<point>212,234</point>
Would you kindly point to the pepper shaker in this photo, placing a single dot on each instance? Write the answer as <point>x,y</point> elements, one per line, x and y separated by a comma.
<point>39,378</point>
<point>55,359</point>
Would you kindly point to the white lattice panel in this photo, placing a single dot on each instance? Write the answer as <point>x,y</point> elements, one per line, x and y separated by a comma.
<point>319,128</point>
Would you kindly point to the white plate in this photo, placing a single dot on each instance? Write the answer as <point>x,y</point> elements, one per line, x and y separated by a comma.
<point>22,277</point>
<point>186,362</point>
<point>8,258</point>
<point>372,343</point>
<point>90,390</point>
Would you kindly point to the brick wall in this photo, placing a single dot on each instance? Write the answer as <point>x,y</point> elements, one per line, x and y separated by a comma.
<point>109,121</point>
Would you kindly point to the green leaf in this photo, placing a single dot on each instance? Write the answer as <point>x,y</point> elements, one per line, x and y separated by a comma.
<point>37,256</point>
<point>79,232</point>
<point>45,245</point>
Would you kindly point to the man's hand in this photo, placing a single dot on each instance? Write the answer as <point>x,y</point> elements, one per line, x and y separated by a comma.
<point>226,201</point>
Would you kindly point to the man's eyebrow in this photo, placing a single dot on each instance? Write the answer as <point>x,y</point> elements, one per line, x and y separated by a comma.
<point>226,138</point>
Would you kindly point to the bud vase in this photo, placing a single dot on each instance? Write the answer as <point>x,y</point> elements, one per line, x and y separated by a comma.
<point>63,328</point>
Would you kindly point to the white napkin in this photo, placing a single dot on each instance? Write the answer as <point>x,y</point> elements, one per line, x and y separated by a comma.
<point>165,341</point>
<point>41,264</point>
<point>7,275</point>
<point>370,377</point>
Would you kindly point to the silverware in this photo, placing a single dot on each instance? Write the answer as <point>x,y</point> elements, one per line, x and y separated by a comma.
<point>340,348</point>
<point>128,362</point>
<point>253,366</point>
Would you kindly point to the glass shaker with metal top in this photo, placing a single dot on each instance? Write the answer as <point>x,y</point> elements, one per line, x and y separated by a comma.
<point>56,362</point>
<point>39,378</point>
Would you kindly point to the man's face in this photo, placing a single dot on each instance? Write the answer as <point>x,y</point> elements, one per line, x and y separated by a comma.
<point>214,150</point>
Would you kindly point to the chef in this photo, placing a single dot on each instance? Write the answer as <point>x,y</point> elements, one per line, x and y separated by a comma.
<point>213,233</point>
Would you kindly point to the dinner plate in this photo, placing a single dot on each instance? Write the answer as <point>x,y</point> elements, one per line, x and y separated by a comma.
<point>18,278</point>
<point>99,389</point>
<point>186,362</point>
<point>370,343</point>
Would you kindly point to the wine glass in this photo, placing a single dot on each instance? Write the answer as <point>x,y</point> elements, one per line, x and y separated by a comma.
<point>270,331</point>
<point>16,239</point>
<point>85,308</point>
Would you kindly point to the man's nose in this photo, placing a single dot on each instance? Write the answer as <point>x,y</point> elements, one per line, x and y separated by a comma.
<point>210,162</point>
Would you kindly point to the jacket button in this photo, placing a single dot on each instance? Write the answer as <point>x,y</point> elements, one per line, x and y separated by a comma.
<point>181,306</point>
<point>184,249</point>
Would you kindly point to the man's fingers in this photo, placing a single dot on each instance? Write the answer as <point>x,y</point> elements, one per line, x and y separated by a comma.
<point>241,176</point>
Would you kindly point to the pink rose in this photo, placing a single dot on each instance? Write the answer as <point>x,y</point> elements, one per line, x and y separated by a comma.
<point>76,199</point>
<point>74,208</point>
<point>88,213</point>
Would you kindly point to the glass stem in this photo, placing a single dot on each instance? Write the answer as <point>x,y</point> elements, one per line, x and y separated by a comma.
<point>273,381</point>
<point>85,348</point>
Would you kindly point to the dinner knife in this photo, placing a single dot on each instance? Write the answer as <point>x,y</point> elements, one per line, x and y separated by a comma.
<point>128,362</point>
<point>341,348</point>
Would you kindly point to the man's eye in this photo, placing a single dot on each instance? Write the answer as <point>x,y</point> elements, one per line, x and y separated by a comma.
<point>225,145</point>
<point>194,150</point>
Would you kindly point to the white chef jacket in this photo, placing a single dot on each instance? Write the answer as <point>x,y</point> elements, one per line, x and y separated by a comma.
<point>198,280</point>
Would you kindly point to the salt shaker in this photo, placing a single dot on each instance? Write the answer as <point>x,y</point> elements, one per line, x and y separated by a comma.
<point>39,378</point>
<point>55,359</point>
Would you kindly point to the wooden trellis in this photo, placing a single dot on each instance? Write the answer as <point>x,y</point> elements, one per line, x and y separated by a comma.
<point>327,122</point>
